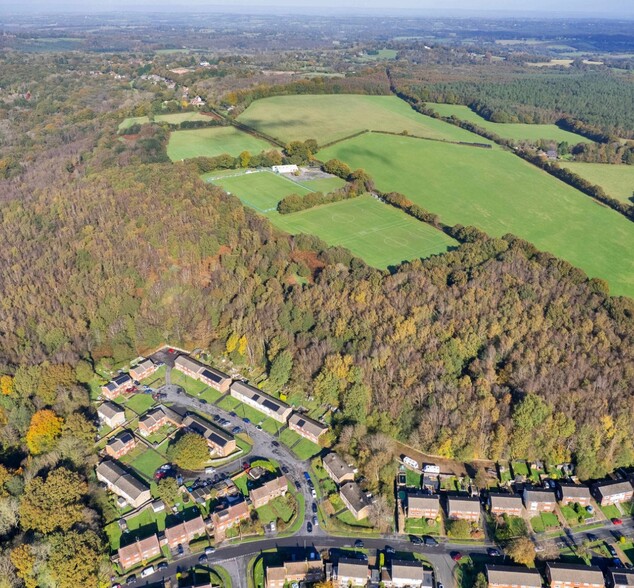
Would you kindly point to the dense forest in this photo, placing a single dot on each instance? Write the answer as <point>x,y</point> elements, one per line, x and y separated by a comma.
<point>492,350</point>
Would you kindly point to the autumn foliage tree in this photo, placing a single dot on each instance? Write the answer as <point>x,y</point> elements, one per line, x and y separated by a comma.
<point>43,431</point>
<point>190,452</point>
<point>522,551</point>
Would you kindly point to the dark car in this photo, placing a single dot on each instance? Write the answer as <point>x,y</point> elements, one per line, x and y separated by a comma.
<point>390,550</point>
<point>284,469</point>
<point>275,444</point>
<point>492,552</point>
<point>202,401</point>
<point>131,580</point>
<point>180,549</point>
<point>246,420</point>
<point>162,566</point>
<point>309,527</point>
<point>314,507</point>
<point>430,541</point>
<point>298,485</point>
<point>359,544</point>
<point>233,414</point>
<point>456,555</point>
<point>592,537</point>
<point>217,418</point>
<point>612,551</point>
<point>202,559</point>
<point>415,540</point>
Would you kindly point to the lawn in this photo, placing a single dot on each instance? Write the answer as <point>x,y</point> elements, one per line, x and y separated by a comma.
<point>616,180</point>
<point>544,521</point>
<point>412,478</point>
<point>276,509</point>
<point>378,233</point>
<point>517,132</point>
<point>348,518</point>
<point>499,193</point>
<point>191,386</point>
<point>333,117</point>
<point>140,403</point>
<point>421,527</point>
<point>573,513</point>
<point>611,511</point>
<point>143,460</point>
<point>212,141</point>
<point>144,519</point>
<point>325,185</point>
<point>306,449</point>
<point>262,190</point>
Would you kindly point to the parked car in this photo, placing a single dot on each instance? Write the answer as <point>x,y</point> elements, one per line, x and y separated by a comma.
<point>162,566</point>
<point>307,477</point>
<point>611,550</point>
<point>590,508</point>
<point>232,414</point>
<point>217,418</point>
<point>284,470</point>
<point>617,563</point>
<point>617,521</point>
<point>298,486</point>
<point>359,544</point>
<point>314,507</point>
<point>246,420</point>
<point>275,444</point>
<point>592,537</point>
<point>210,550</point>
<point>309,528</point>
<point>315,521</point>
<point>492,552</point>
<point>390,550</point>
<point>202,559</point>
<point>415,540</point>
<point>236,430</point>
<point>259,427</point>
<point>313,493</point>
<point>131,580</point>
<point>456,555</point>
<point>180,549</point>
<point>429,541</point>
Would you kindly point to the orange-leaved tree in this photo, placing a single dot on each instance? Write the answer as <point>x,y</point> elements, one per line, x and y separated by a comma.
<point>43,431</point>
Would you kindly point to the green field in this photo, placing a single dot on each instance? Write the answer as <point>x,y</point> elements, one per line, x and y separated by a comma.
<point>616,180</point>
<point>499,193</point>
<point>514,131</point>
<point>173,119</point>
<point>212,141</point>
<point>324,185</point>
<point>333,117</point>
<point>376,232</point>
<point>262,190</point>
<point>383,54</point>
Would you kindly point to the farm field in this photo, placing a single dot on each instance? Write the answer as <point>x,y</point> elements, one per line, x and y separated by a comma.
<point>382,54</point>
<point>212,141</point>
<point>173,119</point>
<point>516,131</point>
<point>262,190</point>
<point>616,180</point>
<point>376,232</point>
<point>499,193</point>
<point>334,117</point>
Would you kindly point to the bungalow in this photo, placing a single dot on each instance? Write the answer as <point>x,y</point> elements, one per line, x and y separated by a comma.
<point>227,517</point>
<point>276,409</point>
<point>143,370</point>
<point>512,577</point>
<point>123,484</point>
<point>141,551</point>
<point>308,428</point>
<point>185,532</point>
<point>116,386</point>
<point>299,572</point>
<point>120,444</point>
<point>619,578</point>
<point>612,491</point>
<point>355,499</point>
<point>208,375</point>
<point>574,576</point>
<point>509,504</point>
<point>269,491</point>
<point>350,572</point>
<point>152,421</point>
<point>221,443</point>
<point>539,500</point>
<point>569,493</point>
<point>338,469</point>
<point>422,506</point>
<point>111,414</point>
<point>463,508</point>
<point>406,573</point>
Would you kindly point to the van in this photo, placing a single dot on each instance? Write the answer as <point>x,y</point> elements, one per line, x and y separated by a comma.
<point>431,469</point>
<point>408,461</point>
<point>147,572</point>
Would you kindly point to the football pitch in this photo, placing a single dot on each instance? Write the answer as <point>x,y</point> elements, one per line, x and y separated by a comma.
<point>500,193</point>
<point>212,141</point>
<point>378,233</point>
<point>333,117</point>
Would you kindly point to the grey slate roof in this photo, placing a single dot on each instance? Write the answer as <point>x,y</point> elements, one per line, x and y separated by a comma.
<point>577,573</point>
<point>513,575</point>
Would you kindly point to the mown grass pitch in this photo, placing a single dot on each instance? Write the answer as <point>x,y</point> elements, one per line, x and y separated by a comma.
<point>212,141</point>
<point>376,232</point>
<point>175,118</point>
<point>333,117</point>
<point>500,193</point>
<point>616,180</point>
<point>517,132</point>
<point>261,190</point>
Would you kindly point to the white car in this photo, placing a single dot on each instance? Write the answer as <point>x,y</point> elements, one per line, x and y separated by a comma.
<point>147,572</point>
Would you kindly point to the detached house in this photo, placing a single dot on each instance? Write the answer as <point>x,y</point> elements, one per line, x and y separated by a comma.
<point>509,504</point>
<point>338,469</point>
<point>355,499</point>
<point>120,444</point>
<point>276,409</point>
<point>268,491</point>
<point>569,493</point>
<point>539,500</point>
<point>463,508</point>
<point>143,370</point>
<point>308,428</point>
<point>141,551</point>
<point>574,576</point>
<point>185,532</point>
<point>111,414</point>
<point>406,573</point>
<point>422,506</point>
<point>300,572</point>
<point>612,491</point>
<point>350,572</point>
<point>512,577</point>
<point>117,386</point>
<point>208,375</point>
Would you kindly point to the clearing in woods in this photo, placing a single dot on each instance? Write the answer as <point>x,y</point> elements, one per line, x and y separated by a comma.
<point>514,131</point>
<point>333,117</point>
<point>213,141</point>
<point>378,233</point>
<point>616,180</point>
<point>499,193</point>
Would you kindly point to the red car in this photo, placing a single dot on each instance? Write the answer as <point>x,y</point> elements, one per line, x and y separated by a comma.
<point>616,521</point>
<point>170,351</point>
<point>456,555</point>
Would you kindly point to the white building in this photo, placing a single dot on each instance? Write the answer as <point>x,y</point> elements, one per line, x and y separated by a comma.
<point>285,169</point>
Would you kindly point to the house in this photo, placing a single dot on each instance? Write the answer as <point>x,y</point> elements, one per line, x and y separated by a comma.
<point>612,491</point>
<point>143,370</point>
<point>120,444</point>
<point>574,576</point>
<point>463,508</point>
<point>406,573</point>
<point>268,491</point>
<point>569,493</point>
<point>220,442</point>
<point>355,499</point>
<point>539,500</point>
<point>509,504</point>
<point>197,101</point>
<point>122,483</point>
<point>201,494</point>
<point>337,469</point>
<point>276,409</point>
<point>308,428</point>
<point>228,516</point>
<point>284,169</point>
<point>512,577</point>
<point>350,572</point>
<point>116,386</point>
<point>141,551</point>
<point>185,532</point>
<point>208,375</point>
<point>422,506</point>
<point>111,414</point>
<point>152,421</point>
<point>619,578</point>
<point>299,572</point>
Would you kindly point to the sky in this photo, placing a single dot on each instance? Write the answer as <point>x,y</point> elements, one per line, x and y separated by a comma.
<point>606,8</point>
